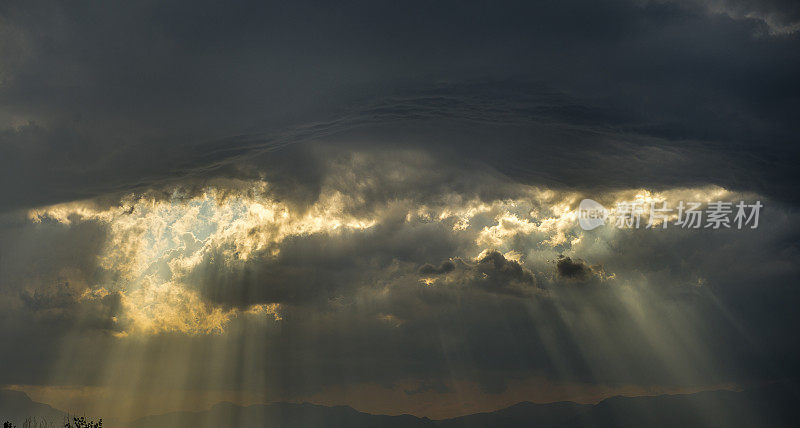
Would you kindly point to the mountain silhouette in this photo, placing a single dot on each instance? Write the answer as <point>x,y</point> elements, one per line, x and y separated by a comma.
<point>520,415</point>
<point>280,415</point>
<point>772,406</point>
<point>16,407</point>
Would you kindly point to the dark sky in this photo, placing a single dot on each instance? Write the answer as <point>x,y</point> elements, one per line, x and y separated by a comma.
<point>294,199</point>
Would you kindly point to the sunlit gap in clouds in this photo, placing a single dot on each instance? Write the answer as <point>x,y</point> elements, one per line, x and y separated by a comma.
<point>174,343</point>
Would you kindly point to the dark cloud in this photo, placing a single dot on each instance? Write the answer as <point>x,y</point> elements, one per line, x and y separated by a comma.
<point>321,266</point>
<point>445,267</point>
<point>48,253</point>
<point>63,306</point>
<point>107,98</point>
<point>577,269</point>
<point>495,273</point>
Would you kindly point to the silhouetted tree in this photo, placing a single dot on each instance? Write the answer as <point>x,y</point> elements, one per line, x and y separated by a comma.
<point>83,423</point>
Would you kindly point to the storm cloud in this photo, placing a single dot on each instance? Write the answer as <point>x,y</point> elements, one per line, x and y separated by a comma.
<point>547,92</point>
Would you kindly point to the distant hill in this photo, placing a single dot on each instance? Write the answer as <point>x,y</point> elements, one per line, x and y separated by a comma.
<point>16,406</point>
<point>773,406</point>
<point>520,415</point>
<point>280,415</point>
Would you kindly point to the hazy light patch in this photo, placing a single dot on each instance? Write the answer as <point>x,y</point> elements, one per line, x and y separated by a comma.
<point>105,400</point>
<point>169,307</point>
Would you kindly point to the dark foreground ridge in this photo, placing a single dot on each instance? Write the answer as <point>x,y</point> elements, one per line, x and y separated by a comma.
<point>772,406</point>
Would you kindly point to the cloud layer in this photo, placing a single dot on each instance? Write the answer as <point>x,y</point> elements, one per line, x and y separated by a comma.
<point>381,281</point>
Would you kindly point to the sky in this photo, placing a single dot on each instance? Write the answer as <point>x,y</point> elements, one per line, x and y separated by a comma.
<point>374,203</point>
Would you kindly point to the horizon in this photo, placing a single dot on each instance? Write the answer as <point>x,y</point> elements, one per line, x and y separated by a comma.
<point>498,402</point>
<point>653,394</point>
